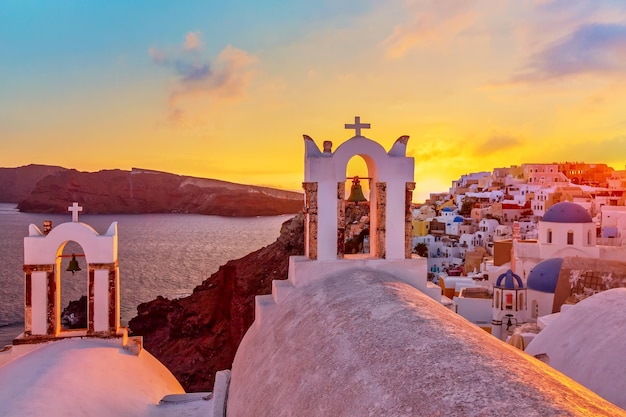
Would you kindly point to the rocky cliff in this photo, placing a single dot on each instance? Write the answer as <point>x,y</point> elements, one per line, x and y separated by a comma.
<point>198,335</point>
<point>141,191</point>
<point>16,184</point>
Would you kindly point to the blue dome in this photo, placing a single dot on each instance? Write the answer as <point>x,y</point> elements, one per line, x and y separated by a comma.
<point>458,219</point>
<point>510,279</point>
<point>544,276</point>
<point>566,212</point>
<point>447,209</point>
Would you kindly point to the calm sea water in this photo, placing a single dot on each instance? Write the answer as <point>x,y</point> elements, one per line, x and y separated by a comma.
<point>159,254</point>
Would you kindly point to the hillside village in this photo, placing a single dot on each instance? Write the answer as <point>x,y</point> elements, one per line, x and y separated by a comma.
<point>544,222</point>
<point>373,334</point>
<point>480,209</point>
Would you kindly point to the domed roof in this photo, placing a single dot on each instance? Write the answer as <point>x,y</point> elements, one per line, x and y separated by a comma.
<point>361,343</point>
<point>458,219</point>
<point>447,209</point>
<point>544,276</point>
<point>586,343</point>
<point>89,377</point>
<point>566,212</point>
<point>511,281</point>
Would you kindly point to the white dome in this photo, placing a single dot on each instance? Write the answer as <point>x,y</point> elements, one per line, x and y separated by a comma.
<point>83,377</point>
<point>361,343</point>
<point>587,344</point>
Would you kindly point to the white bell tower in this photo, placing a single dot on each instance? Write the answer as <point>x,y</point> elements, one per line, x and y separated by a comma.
<point>392,185</point>
<point>42,281</point>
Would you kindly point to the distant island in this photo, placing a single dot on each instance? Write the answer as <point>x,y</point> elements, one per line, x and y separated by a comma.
<point>49,189</point>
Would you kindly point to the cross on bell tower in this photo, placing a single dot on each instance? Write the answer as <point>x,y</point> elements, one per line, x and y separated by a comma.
<point>357,126</point>
<point>75,208</point>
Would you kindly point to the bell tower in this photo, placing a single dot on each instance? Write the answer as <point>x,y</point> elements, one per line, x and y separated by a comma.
<point>391,194</point>
<point>42,280</point>
<point>509,305</point>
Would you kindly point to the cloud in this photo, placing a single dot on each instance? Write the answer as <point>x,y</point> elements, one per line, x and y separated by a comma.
<point>193,40</point>
<point>431,22</point>
<point>596,48</point>
<point>199,80</point>
<point>607,150</point>
<point>496,143</point>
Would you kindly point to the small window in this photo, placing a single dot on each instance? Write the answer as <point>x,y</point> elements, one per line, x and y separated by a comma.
<point>570,238</point>
<point>549,240</point>
<point>588,237</point>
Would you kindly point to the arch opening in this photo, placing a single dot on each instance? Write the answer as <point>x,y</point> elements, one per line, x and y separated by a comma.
<point>73,287</point>
<point>358,220</point>
<point>357,207</point>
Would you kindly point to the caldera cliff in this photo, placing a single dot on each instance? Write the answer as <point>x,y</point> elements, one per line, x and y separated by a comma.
<point>198,335</point>
<point>44,189</point>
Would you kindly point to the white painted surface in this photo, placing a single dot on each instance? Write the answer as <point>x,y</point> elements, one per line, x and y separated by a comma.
<point>303,271</point>
<point>361,343</point>
<point>586,342</point>
<point>475,310</point>
<point>329,169</point>
<point>220,393</point>
<point>544,301</point>
<point>87,378</point>
<point>39,300</point>
<point>40,249</point>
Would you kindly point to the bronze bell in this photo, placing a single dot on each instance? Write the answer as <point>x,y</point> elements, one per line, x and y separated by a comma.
<point>356,192</point>
<point>73,266</point>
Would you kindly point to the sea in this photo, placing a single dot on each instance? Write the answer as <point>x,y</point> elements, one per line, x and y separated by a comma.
<point>158,254</point>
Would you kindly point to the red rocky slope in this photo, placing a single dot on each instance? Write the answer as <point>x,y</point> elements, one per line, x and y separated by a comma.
<point>198,335</point>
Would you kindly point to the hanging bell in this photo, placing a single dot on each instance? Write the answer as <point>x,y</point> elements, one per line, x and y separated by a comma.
<point>73,266</point>
<point>356,192</point>
<point>509,323</point>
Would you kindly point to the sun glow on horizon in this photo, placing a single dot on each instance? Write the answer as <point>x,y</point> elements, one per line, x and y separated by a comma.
<point>222,94</point>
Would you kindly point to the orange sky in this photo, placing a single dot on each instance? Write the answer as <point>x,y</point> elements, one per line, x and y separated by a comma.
<point>226,91</point>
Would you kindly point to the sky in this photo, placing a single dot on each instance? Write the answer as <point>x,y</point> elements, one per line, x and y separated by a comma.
<point>227,89</point>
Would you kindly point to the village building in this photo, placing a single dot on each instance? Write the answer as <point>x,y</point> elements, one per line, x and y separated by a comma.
<point>613,221</point>
<point>543,174</point>
<point>617,180</point>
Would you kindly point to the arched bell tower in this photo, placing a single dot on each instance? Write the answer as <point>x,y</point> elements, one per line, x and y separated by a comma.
<point>392,183</point>
<point>42,272</point>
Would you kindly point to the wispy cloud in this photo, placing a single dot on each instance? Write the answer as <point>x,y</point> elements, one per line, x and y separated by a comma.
<point>200,80</point>
<point>193,40</point>
<point>497,142</point>
<point>596,48</point>
<point>431,22</point>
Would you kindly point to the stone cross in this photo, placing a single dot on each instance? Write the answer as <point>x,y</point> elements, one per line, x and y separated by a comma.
<point>357,126</point>
<point>75,208</point>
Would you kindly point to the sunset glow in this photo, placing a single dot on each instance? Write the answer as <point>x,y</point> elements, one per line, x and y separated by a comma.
<point>226,89</point>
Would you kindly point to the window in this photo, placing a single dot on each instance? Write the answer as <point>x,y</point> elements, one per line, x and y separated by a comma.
<point>588,237</point>
<point>549,237</point>
<point>570,237</point>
